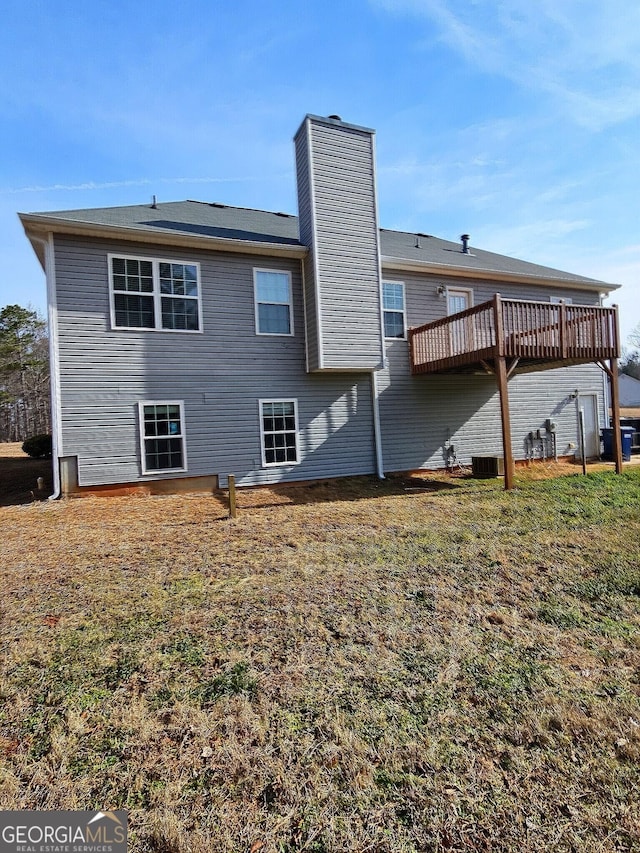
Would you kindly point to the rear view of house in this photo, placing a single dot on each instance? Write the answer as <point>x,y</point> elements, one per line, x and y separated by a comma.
<point>192,340</point>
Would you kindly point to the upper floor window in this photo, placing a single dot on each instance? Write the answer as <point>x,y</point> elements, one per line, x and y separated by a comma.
<point>154,294</point>
<point>162,436</point>
<point>561,300</point>
<point>393,309</point>
<point>273,302</point>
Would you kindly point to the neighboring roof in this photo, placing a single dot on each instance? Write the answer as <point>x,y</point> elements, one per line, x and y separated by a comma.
<point>629,390</point>
<point>262,232</point>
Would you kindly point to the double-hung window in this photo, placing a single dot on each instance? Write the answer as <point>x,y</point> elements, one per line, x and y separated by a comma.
<point>162,436</point>
<point>273,302</point>
<point>279,432</point>
<point>393,309</point>
<point>154,294</point>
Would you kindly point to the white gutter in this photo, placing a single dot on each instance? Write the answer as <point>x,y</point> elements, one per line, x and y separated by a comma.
<point>391,263</point>
<point>54,359</point>
<point>377,430</point>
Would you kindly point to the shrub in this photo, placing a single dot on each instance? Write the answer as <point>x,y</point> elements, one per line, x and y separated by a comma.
<point>38,446</point>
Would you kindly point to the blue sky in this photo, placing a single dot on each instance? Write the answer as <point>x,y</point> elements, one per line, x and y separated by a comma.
<point>515,122</point>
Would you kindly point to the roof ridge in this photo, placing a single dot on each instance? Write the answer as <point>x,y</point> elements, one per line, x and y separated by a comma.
<point>220,204</point>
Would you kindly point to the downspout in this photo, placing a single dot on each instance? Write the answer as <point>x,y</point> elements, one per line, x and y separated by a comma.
<point>377,431</point>
<point>54,361</point>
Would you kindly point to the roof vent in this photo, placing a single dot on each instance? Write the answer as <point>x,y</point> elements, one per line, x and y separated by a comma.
<point>336,118</point>
<point>154,203</point>
<point>465,244</point>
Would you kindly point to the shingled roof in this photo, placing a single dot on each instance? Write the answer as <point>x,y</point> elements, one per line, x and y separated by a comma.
<point>220,223</point>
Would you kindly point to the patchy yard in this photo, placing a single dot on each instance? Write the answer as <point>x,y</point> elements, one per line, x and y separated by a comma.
<point>388,668</point>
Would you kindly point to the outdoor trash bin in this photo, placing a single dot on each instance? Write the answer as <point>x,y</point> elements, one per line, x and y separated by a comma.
<point>626,434</point>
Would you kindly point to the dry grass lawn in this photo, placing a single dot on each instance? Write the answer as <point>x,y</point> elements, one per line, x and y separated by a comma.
<point>391,667</point>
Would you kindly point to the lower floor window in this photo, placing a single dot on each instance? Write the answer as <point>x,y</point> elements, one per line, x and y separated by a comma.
<point>279,432</point>
<point>162,436</point>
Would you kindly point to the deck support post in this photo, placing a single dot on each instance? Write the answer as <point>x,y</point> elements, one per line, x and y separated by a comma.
<point>615,394</point>
<point>509,468</point>
<point>611,370</point>
<point>615,415</point>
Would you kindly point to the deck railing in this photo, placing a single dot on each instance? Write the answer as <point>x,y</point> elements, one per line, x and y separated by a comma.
<point>533,331</point>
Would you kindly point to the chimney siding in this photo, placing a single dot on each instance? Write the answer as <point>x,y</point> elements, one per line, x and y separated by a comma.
<point>339,224</point>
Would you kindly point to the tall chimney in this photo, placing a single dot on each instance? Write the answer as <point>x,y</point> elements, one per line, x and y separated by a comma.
<point>339,223</point>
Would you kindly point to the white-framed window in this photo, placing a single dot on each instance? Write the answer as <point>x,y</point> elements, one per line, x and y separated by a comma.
<point>148,293</point>
<point>459,299</point>
<point>273,302</point>
<point>279,432</point>
<point>393,309</point>
<point>162,436</point>
<point>558,300</point>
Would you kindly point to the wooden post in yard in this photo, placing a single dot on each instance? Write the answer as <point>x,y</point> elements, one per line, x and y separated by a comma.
<point>232,496</point>
<point>501,375</point>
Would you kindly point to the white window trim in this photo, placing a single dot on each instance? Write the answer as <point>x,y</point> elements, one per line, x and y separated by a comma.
<point>257,302</point>
<point>561,300</point>
<point>467,290</point>
<point>143,437</point>
<point>395,310</point>
<point>157,296</point>
<point>266,464</point>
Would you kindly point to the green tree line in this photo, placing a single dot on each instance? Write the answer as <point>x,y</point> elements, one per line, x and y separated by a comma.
<point>25,406</point>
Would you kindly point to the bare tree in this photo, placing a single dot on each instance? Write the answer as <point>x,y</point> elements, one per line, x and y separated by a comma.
<point>634,337</point>
<point>25,408</point>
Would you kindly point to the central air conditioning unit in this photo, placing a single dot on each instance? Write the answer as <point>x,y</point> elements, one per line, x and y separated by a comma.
<point>487,465</point>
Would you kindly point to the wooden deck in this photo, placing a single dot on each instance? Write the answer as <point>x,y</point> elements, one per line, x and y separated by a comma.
<point>531,335</point>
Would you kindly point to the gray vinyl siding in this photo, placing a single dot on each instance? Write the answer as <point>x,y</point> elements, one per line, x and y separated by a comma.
<point>424,305</point>
<point>338,222</point>
<point>305,220</point>
<point>222,373</point>
<point>422,415</point>
<point>219,374</point>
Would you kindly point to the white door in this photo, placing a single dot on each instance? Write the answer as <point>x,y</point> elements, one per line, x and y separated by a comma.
<point>589,407</point>
<point>458,300</point>
<point>460,331</point>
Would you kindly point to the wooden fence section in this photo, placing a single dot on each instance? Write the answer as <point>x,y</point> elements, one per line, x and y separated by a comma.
<point>534,332</point>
